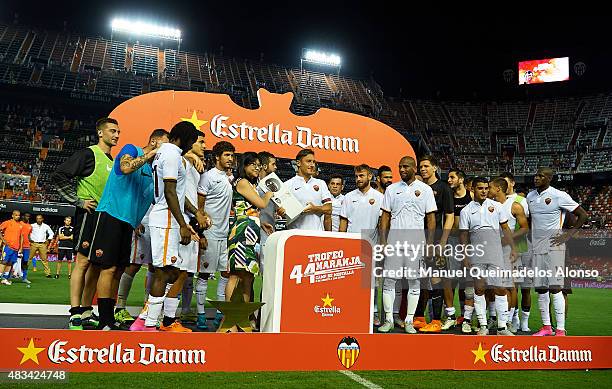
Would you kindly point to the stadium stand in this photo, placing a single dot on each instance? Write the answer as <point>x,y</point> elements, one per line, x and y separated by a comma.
<point>569,134</point>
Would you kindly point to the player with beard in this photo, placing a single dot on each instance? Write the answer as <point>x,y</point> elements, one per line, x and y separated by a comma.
<point>441,291</point>
<point>547,207</point>
<point>360,213</point>
<point>461,198</point>
<point>215,196</point>
<point>384,178</point>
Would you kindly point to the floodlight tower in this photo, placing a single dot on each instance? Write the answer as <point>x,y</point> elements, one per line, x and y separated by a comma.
<point>320,58</point>
<point>134,27</point>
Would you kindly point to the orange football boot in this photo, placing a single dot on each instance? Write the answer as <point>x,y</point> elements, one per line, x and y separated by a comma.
<point>433,327</point>
<point>174,327</point>
<point>419,322</point>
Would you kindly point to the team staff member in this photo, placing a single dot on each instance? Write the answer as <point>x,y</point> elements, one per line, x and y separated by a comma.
<point>90,167</point>
<point>40,236</point>
<point>311,192</point>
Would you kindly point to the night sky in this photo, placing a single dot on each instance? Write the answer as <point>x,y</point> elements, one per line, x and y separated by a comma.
<point>421,52</point>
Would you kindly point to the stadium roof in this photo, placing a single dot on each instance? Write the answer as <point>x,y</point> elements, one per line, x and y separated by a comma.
<point>420,52</point>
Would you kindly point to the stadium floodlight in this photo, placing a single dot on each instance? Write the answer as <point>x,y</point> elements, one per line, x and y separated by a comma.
<point>146,29</point>
<point>321,58</point>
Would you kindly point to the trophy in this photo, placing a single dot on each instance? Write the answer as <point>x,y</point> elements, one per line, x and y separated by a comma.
<point>282,196</point>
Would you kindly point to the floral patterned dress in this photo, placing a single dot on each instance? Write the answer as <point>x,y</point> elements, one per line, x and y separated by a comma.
<point>244,235</point>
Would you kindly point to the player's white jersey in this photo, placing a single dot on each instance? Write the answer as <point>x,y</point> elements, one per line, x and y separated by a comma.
<point>362,211</point>
<point>314,191</point>
<point>167,165</point>
<point>215,185</point>
<point>408,205</point>
<point>483,221</point>
<point>547,211</point>
<point>507,206</point>
<point>337,203</point>
<point>191,191</point>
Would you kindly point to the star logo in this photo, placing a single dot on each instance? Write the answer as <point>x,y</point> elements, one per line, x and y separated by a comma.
<point>236,312</point>
<point>195,121</point>
<point>479,354</point>
<point>327,301</point>
<point>30,352</point>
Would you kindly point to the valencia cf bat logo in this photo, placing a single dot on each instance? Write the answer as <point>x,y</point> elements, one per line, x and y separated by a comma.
<point>348,351</point>
<point>548,200</point>
<point>491,209</point>
<point>372,201</point>
<point>316,188</point>
<point>417,193</point>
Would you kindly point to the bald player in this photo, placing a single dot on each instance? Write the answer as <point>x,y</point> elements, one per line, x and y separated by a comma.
<point>548,207</point>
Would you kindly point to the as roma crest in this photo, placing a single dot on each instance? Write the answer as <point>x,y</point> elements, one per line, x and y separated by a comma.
<point>548,200</point>
<point>491,209</point>
<point>316,188</point>
<point>372,201</point>
<point>417,193</point>
<point>348,351</point>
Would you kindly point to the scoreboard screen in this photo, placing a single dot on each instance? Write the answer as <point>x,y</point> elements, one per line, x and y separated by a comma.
<point>543,70</point>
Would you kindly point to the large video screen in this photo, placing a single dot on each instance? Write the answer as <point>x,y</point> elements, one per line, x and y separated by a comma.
<point>543,70</point>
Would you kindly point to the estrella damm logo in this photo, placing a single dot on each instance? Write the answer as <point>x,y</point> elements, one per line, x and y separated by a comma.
<point>348,351</point>
<point>328,309</point>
